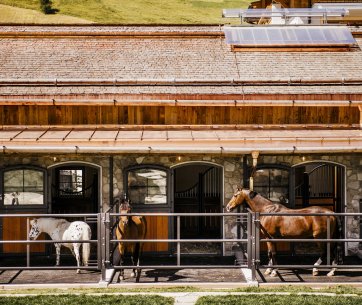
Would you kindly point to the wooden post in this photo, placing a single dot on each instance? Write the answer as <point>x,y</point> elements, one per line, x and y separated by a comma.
<point>255,155</point>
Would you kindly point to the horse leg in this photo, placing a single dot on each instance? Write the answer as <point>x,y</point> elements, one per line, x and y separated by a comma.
<point>317,263</point>
<point>270,263</point>
<point>323,256</point>
<point>335,260</point>
<point>121,271</point>
<point>331,273</point>
<point>57,251</point>
<point>77,256</point>
<point>136,261</point>
<point>272,260</point>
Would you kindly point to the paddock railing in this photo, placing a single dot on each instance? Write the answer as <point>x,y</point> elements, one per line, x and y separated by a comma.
<point>24,220</point>
<point>105,242</point>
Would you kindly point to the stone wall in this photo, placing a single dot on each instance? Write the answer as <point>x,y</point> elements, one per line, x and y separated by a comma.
<point>232,176</point>
<point>353,165</point>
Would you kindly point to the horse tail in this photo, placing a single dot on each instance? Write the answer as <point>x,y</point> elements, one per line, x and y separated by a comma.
<point>338,248</point>
<point>87,235</point>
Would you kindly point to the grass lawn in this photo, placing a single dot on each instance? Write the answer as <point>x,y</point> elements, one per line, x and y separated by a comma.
<point>11,14</point>
<point>278,300</point>
<point>86,300</point>
<point>342,289</point>
<point>134,11</point>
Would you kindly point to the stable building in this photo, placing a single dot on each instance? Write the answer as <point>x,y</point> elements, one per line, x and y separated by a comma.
<point>173,116</point>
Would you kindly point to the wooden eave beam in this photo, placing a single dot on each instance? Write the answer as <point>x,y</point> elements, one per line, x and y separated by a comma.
<point>156,127</point>
<point>289,81</point>
<point>177,102</point>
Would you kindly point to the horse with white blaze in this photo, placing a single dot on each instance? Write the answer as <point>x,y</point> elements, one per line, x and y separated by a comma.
<point>61,229</point>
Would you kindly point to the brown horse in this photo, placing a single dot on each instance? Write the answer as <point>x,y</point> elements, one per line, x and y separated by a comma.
<point>288,226</point>
<point>130,227</point>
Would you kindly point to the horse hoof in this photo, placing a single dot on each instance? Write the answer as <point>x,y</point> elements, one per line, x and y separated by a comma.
<point>274,273</point>
<point>315,272</point>
<point>78,271</point>
<point>268,271</point>
<point>133,274</point>
<point>330,273</point>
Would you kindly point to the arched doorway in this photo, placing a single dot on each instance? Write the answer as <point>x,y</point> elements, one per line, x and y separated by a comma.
<point>319,183</point>
<point>74,188</point>
<point>198,189</point>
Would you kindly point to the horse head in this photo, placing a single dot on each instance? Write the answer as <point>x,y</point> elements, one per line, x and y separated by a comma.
<point>124,209</point>
<point>34,231</point>
<point>237,199</point>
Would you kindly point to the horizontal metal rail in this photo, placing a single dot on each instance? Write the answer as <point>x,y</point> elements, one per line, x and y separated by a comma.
<point>50,268</point>
<point>179,240</point>
<point>309,214</point>
<point>181,267</point>
<point>40,241</point>
<point>179,214</point>
<point>310,240</point>
<point>312,266</point>
<point>46,215</point>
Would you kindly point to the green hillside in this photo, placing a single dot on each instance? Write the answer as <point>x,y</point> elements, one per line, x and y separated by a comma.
<point>121,11</point>
<point>10,14</point>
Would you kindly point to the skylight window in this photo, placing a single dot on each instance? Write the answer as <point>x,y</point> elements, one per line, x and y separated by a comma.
<point>289,36</point>
<point>286,12</point>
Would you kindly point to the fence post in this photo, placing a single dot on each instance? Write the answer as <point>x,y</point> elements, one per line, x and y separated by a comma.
<point>27,245</point>
<point>249,244</point>
<point>99,241</point>
<point>254,240</point>
<point>178,236</point>
<point>328,237</point>
<point>255,244</point>
<point>105,241</point>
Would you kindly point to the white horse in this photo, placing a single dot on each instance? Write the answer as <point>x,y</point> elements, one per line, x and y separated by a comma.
<point>61,229</point>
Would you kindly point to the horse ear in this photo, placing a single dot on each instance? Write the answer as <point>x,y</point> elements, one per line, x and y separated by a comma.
<point>239,188</point>
<point>33,221</point>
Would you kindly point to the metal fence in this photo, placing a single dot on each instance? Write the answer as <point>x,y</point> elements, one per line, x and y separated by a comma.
<point>106,241</point>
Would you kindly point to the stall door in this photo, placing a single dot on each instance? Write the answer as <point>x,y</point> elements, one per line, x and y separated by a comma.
<point>198,189</point>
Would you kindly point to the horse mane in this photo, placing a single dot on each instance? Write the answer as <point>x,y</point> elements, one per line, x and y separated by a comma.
<point>252,194</point>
